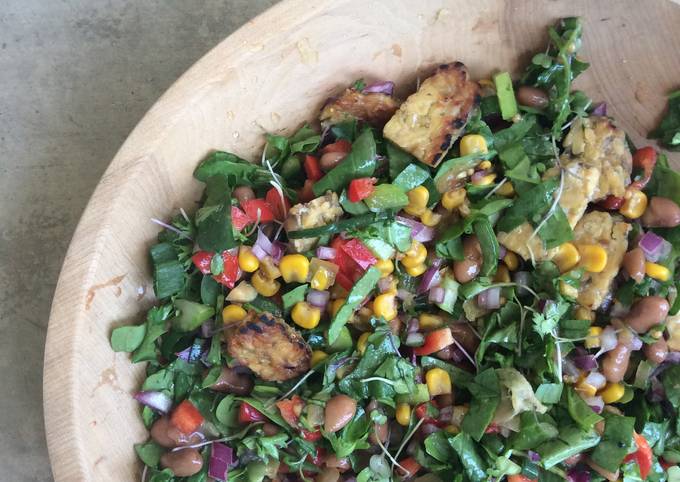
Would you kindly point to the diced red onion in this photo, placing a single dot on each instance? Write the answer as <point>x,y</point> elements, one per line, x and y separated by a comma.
<point>325,252</point>
<point>278,248</point>
<point>430,278</point>
<point>489,299</point>
<point>477,176</point>
<point>533,456</point>
<point>193,352</point>
<point>437,294</point>
<point>596,379</point>
<point>414,339</point>
<point>586,362</point>
<point>419,231</point>
<point>580,474</point>
<point>413,325</point>
<point>446,413</point>
<point>429,428</point>
<point>654,246</point>
<point>385,87</point>
<point>673,357</point>
<point>608,339</point>
<point>600,109</point>
<point>318,298</point>
<point>259,252</point>
<point>502,251</point>
<point>263,242</point>
<point>596,403</point>
<point>221,457</point>
<point>424,235</point>
<point>158,401</point>
<point>437,262</point>
<point>403,294</point>
<point>636,343</point>
<point>384,284</point>
<point>569,368</point>
<point>207,329</point>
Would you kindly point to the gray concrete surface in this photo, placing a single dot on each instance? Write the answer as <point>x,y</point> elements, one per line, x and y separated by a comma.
<point>75,77</point>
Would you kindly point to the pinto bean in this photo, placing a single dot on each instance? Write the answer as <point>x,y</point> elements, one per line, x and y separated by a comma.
<point>232,382</point>
<point>380,432</point>
<point>468,269</point>
<point>244,193</point>
<point>167,435</point>
<point>328,475</point>
<point>339,411</point>
<point>656,352</point>
<point>270,429</point>
<point>331,159</point>
<point>465,336</point>
<point>661,212</point>
<point>183,463</point>
<point>333,462</point>
<point>646,313</point>
<point>616,361</point>
<point>532,97</point>
<point>634,264</point>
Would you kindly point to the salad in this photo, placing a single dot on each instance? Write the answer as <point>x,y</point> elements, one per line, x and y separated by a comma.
<point>475,283</point>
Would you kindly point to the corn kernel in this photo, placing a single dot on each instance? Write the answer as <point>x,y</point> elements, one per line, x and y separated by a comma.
<point>582,313</point>
<point>385,266</point>
<point>593,338</point>
<point>317,357</point>
<point>428,321</point>
<point>247,261</point>
<point>612,392</point>
<point>593,257</point>
<point>430,218</point>
<point>294,268</point>
<point>416,270</point>
<point>473,144</point>
<point>415,255</point>
<point>506,190</point>
<point>438,382</point>
<point>634,204</point>
<point>567,257</point>
<point>511,261</point>
<point>320,280</point>
<point>585,389</point>
<point>453,199</point>
<point>233,313</point>
<point>264,285</point>
<point>657,271</point>
<point>403,414</point>
<point>305,315</point>
<point>417,201</point>
<point>484,165</point>
<point>568,290</point>
<point>452,429</point>
<point>335,305</point>
<point>269,269</point>
<point>502,274</point>
<point>362,342</point>
<point>385,306</point>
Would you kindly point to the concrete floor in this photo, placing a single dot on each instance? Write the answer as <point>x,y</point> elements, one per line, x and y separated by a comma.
<point>75,77</point>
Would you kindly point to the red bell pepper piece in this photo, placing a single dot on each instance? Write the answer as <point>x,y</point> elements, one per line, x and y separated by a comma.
<point>252,206</point>
<point>247,414</point>
<point>186,417</point>
<point>239,219</point>
<point>231,272</point>
<point>421,412</point>
<point>360,189</point>
<point>291,409</point>
<point>202,260</point>
<point>359,254</point>
<point>645,159</point>
<point>319,456</point>
<point>492,428</point>
<point>408,467</point>
<point>642,456</point>
<point>341,145</point>
<point>311,436</point>
<point>306,194</point>
<point>312,168</point>
<point>434,341</point>
<point>520,478</point>
<point>279,207</point>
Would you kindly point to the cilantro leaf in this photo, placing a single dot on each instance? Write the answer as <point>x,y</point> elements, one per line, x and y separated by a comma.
<point>546,322</point>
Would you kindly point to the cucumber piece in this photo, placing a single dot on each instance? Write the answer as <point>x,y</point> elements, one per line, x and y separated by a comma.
<point>342,342</point>
<point>190,315</point>
<point>421,395</point>
<point>506,95</point>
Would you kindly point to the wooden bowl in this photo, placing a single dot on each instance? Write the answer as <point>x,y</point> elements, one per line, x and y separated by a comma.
<point>270,76</point>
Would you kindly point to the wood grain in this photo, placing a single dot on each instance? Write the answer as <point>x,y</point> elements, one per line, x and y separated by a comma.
<point>270,76</point>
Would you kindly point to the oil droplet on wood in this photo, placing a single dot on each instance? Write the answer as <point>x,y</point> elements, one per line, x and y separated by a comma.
<point>94,288</point>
